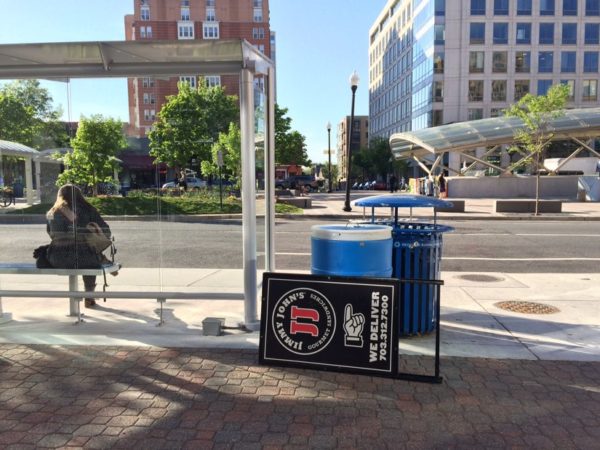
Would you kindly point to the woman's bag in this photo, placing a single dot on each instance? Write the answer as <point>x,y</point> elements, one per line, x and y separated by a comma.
<point>96,238</point>
<point>41,257</point>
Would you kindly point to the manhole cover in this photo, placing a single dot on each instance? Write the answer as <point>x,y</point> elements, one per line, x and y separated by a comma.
<point>479,277</point>
<point>527,307</point>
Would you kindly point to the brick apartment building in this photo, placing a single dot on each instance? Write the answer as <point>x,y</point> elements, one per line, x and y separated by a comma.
<point>189,19</point>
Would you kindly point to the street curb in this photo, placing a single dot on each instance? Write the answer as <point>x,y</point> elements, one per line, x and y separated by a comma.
<point>10,219</point>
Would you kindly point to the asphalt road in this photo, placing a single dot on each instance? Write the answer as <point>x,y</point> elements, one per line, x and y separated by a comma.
<point>475,246</point>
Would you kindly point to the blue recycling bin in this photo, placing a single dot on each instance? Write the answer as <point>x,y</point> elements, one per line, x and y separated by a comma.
<point>352,250</point>
<point>416,255</point>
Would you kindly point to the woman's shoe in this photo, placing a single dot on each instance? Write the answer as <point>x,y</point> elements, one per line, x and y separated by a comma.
<point>89,303</point>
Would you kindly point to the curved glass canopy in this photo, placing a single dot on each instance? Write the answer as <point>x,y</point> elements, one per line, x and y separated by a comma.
<point>464,136</point>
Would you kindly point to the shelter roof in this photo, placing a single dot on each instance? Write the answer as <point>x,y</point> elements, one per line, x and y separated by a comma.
<point>129,58</point>
<point>464,136</point>
<point>8,148</point>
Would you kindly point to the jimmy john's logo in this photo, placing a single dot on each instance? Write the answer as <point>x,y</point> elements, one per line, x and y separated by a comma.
<point>303,321</point>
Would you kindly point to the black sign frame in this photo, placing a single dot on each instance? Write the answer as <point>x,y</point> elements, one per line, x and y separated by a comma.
<point>299,279</point>
<point>331,311</point>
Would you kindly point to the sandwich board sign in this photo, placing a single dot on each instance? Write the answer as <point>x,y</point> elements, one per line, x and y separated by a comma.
<point>330,323</point>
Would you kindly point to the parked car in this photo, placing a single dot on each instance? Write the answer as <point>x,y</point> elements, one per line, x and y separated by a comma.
<point>192,183</point>
<point>298,182</point>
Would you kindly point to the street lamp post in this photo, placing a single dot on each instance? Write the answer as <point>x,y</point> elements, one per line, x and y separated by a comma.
<point>354,79</point>
<point>329,152</point>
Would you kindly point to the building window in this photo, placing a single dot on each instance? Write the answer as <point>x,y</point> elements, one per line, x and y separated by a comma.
<point>523,7</point>
<point>210,3</point>
<point>478,7</point>
<point>437,118</point>
<point>546,33</point>
<point>590,62</point>
<point>213,80</point>
<point>569,7</point>
<point>476,90</point>
<point>521,89</point>
<point>149,114</point>
<point>522,62</point>
<point>258,15</point>
<point>592,7</point>
<point>185,31</point>
<point>189,79</point>
<point>439,34</point>
<point>592,33</point>
<point>571,84</point>
<point>590,90</point>
<point>477,33</point>
<point>500,33</point>
<point>475,113</point>
<point>149,98</point>
<point>498,90</point>
<point>476,62</point>
<point>438,62</point>
<point>210,30</point>
<point>210,15</point>
<point>569,33</point>
<point>543,86</point>
<point>185,2</point>
<point>438,91</point>
<point>499,62</point>
<point>568,62</point>
<point>440,7</point>
<point>545,62</point>
<point>501,7</point>
<point>145,13</point>
<point>185,13</point>
<point>260,48</point>
<point>496,112</point>
<point>257,3</point>
<point>546,7</point>
<point>147,82</point>
<point>258,33</point>
<point>523,33</point>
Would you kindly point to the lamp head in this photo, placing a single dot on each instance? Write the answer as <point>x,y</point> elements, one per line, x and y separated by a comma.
<point>354,79</point>
<point>328,126</point>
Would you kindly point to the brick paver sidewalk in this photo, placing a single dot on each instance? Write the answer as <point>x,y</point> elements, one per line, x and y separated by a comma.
<point>102,397</point>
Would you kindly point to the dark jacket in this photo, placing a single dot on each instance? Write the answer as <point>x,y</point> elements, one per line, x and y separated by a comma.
<point>69,248</point>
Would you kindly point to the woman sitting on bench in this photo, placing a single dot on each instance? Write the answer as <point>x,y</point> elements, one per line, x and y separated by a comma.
<point>68,221</point>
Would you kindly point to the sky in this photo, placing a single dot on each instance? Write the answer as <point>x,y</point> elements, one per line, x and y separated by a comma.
<point>319,44</point>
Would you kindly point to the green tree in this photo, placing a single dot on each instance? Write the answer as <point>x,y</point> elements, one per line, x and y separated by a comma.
<point>95,146</point>
<point>334,174</point>
<point>536,112</point>
<point>230,145</point>
<point>189,124</point>
<point>290,145</point>
<point>16,120</point>
<point>44,126</point>
<point>381,157</point>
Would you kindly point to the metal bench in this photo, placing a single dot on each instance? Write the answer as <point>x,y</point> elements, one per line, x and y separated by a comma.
<point>74,298</point>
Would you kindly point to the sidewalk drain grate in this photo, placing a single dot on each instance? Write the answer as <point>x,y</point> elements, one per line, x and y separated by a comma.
<point>527,307</point>
<point>479,277</point>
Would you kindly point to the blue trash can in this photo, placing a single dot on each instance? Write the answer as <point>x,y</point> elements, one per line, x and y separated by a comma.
<point>416,255</point>
<point>353,250</point>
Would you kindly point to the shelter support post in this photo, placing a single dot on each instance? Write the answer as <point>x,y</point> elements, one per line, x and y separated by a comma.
<point>29,181</point>
<point>436,163</point>
<point>484,162</point>
<point>587,147</point>
<point>38,178</point>
<point>248,198</point>
<point>566,160</point>
<point>423,166</point>
<point>270,174</point>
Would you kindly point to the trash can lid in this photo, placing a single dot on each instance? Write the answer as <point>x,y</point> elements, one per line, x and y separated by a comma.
<point>402,201</point>
<point>352,232</point>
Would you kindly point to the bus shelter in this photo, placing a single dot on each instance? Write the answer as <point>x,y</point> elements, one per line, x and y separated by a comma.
<point>121,59</point>
<point>428,146</point>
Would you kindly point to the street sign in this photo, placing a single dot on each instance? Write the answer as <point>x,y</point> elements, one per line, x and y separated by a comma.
<point>330,323</point>
<point>220,158</point>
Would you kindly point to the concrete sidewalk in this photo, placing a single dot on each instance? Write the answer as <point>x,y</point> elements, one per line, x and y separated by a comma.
<point>473,325</point>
